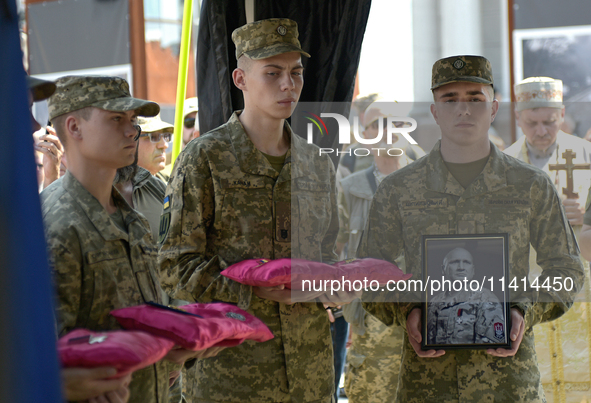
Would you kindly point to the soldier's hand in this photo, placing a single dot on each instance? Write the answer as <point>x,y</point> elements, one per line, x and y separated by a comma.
<point>116,396</point>
<point>284,295</point>
<point>173,376</point>
<point>179,355</point>
<point>209,352</point>
<point>574,211</point>
<point>413,328</point>
<point>329,312</point>
<point>277,293</point>
<point>90,383</point>
<point>337,298</point>
<point>516,335</point>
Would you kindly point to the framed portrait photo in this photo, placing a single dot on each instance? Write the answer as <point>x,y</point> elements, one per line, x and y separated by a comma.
<point>465,299</point>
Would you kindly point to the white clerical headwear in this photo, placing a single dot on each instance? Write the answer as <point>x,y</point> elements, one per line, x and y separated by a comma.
<point>538,92</point>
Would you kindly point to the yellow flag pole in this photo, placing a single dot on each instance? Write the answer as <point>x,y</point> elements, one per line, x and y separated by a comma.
<point>181,88</point>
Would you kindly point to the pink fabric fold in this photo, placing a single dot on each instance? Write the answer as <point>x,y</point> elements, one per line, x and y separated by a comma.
<point>127,351</point>
<point>217,324</point>
<point>292,272</point>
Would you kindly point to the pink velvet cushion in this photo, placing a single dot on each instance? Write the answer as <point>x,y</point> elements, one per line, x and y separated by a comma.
<point>195,326</point>
<point>371,269</point>
<point>292,272</point>
<point>270,273</point>
<point>260,272</point>
<point>366,270</point>
<point>127,351</point>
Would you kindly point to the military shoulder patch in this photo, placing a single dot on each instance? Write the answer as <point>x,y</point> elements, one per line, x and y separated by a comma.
<point>499,331</point>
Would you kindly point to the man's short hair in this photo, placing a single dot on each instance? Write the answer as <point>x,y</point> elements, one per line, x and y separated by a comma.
<point>59,122</point>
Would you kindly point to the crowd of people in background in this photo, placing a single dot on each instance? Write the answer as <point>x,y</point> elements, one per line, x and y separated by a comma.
<point>167,231</point>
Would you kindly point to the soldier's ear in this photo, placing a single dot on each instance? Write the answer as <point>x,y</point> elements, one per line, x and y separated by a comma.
<point>72,126</point>
<point>239,78</point>
<point>434,113</point>
<point>495,109</point>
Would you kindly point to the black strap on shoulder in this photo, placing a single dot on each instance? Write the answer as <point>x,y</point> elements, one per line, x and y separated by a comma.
<point>371,179</point>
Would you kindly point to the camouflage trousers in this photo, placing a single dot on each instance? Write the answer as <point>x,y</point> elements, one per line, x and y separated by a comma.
<point>374,363</point>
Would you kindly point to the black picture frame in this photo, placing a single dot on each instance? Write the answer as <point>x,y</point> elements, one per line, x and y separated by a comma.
<point>471,311</point>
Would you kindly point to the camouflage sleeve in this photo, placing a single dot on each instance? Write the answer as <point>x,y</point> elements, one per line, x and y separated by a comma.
<point>383,239</point>
<point>186,270</point>
<point>557,254</point>
<point>490,313</point>
<point>343,236</point>
<point>432,324</point>
<point>328,242</point>
<point>65,259</point>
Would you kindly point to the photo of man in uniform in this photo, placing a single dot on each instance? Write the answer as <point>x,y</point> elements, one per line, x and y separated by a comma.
<point>464,316</point>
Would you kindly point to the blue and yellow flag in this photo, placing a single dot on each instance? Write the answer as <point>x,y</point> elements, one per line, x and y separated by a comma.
<point>28,358</point>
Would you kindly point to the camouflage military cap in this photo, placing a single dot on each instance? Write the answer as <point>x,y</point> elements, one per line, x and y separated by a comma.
<point>108,93</point>
<point>41,89</point>
<point>155,124</point>
<point>471,69</point>
<point>266,38</point>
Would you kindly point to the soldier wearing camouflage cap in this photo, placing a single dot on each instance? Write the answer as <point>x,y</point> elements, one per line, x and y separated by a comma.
<point>100,248</point>
<point>465,185</point>
<point>235,188</point>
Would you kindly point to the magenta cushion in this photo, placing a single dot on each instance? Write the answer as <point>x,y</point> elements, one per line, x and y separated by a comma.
<point>371,269</point>
<point>196,326</point>
<point>260,272</point>
<point>291,272</point>
<point>127,351</point>
<point>270,273</point>
<point>320,274</point>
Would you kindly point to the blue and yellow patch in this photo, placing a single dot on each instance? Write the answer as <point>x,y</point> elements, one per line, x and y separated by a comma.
<point>166,202</point>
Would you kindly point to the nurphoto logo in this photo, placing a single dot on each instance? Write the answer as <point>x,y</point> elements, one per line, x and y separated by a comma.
<point>394,126</point>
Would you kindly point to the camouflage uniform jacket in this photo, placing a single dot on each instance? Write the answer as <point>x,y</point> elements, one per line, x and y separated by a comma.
<point>474,318</point>
<point>98,268</point>
<point>222,198</point>
<point>509,196</point>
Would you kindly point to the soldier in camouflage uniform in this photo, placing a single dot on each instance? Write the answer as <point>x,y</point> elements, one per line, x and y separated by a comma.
<point>466,185</point>
<point>465,316</point>
<point>99,247</point>
<point>253,189</point>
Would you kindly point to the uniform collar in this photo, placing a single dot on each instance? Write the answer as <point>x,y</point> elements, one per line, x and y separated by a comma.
<point>250,159</point>
<point>141,177</point>
<point>298,161</point>
<point>96,213</point>
<point>492,177</point>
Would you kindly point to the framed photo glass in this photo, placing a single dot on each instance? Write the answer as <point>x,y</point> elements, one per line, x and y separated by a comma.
<point>465,301</point>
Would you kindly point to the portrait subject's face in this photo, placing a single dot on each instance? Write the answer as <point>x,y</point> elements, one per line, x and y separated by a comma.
<point>459,265</point>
